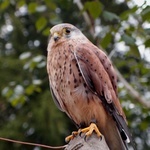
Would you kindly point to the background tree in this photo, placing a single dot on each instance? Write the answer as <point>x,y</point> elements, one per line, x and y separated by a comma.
<point>27,111</point>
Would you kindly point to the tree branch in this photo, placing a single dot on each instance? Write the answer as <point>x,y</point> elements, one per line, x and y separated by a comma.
<point>85,16</point>
<point>132,91</point>
<point>88,143</point>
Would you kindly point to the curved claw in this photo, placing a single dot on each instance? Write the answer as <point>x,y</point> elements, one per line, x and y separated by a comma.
<point>70,137</point>
<point>89,130</point>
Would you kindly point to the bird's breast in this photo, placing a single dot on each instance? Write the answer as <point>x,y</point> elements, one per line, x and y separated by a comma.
<point>70,89</point>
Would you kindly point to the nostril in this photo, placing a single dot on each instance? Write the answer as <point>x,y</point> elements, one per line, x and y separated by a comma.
<point>56,38</point>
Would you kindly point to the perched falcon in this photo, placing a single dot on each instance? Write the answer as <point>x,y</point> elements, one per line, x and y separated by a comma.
<point>83,84</point>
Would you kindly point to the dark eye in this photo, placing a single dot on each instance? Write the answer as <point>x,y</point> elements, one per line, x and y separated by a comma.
<point>68,31</point>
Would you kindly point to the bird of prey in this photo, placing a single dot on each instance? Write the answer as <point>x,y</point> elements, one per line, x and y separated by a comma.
<point>83,84</point>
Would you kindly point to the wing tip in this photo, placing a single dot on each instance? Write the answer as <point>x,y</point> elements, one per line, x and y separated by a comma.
<point>127,138</point>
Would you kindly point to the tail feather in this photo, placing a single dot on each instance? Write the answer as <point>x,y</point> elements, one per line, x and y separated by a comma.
<point>120,122</point>
<point>123,129</point>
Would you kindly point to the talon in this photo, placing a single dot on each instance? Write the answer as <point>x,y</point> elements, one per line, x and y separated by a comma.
<point>75,133</point>
<point>89,130</point>
<point>80,132</point>
<point>70,137</point>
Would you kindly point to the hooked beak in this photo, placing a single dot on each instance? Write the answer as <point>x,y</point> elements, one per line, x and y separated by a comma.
<point>56,36</point>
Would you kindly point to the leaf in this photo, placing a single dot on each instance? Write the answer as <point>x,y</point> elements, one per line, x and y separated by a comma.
<point>94,8</point>
<point>106,40</point>
<point>128,39</point>
<point>25,55</point>
<point>51,5</point>
<point>146,14</point>
<point>36,82</point>
<point>125,14</point>
<point>147,43</point>
<point>31,89</point>
<point>41,64</point>
<point>19,89</point>
<point>46,31</point>
<point>134,51</point>
<point>27,65</point>
<point>144,124</point>
<point>147,31</point>
<point>32,7</point>
<point>109,16</point>
<point>38,58</point>
<point>21,3</point>
<point>7,92</point>
<point>18,101</point>
<point>4,4</point>
<point>41,23</point>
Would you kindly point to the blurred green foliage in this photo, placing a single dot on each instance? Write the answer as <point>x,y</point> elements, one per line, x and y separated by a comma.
<point>27,111</point>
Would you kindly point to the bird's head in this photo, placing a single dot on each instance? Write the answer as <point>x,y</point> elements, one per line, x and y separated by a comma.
<point>64,32</point>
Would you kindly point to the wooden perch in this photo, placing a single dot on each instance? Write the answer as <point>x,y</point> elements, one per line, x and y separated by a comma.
<point>88,143</point>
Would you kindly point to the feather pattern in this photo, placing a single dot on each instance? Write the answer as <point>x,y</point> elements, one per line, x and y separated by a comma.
<point>96,82</point>
<point>83,84</point>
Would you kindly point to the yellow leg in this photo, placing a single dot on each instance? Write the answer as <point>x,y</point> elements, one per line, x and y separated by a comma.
<point>89,130</point>
<point>70,137</point>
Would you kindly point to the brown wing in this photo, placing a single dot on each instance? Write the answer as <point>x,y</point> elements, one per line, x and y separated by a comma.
<point>55,99</point>
<point>98,72</point>
<point>100,77</point>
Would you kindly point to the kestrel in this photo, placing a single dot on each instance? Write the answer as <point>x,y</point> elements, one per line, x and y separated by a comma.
<point>83,84</point>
